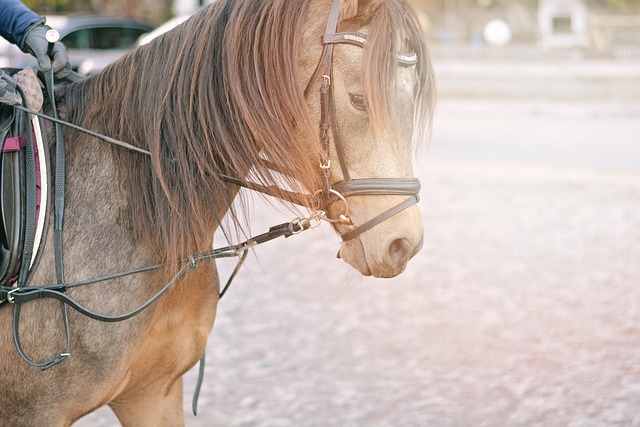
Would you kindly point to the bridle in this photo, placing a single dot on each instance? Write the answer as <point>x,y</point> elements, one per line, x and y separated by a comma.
<point>330,193</point>
<point>328,126</point>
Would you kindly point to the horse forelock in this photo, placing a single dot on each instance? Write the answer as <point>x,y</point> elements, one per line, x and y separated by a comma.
<point>394,28</point>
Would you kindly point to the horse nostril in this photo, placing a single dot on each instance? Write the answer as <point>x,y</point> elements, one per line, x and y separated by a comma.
<point>400,250</point>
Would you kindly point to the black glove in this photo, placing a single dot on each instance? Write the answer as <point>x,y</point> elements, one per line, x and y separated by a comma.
<point>8,93</point>
<point>35,43</point>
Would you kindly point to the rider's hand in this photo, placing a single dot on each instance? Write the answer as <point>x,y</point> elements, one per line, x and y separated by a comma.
<point>35,43</point>
<point>8,93</point>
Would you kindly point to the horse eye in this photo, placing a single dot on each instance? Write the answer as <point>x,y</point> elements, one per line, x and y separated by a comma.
<point>358,101</point>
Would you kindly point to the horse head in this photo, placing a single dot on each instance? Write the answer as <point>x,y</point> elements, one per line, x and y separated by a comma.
<point>381,99</point>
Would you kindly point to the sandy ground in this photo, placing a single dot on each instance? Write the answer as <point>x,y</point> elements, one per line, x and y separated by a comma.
<point>523,308</point>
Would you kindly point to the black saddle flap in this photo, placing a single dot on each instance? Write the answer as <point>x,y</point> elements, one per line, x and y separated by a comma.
<point>12,199</point>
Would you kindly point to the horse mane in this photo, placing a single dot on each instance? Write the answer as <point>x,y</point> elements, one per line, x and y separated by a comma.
<point>215,96</point>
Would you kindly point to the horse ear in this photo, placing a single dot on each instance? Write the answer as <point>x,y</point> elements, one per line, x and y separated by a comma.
<point>358,8</point>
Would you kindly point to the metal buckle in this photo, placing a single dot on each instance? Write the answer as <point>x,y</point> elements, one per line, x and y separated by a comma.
<point>10,299</point>
<point>299,225</point>
<point>325,85</point>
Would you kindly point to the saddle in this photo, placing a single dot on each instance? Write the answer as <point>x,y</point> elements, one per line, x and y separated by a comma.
<point>24,182</point>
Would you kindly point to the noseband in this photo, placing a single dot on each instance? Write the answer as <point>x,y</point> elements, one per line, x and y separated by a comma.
<point>328,125</point>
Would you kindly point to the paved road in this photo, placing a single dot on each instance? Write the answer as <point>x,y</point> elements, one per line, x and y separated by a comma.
<point>523,308</point>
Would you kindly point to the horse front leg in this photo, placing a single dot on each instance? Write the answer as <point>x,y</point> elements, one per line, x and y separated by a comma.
<point>157,406</point>
<point>174,342</point>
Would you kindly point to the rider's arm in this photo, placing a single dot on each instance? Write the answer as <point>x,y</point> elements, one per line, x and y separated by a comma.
<point>15,19</point>
<point>20,25</point>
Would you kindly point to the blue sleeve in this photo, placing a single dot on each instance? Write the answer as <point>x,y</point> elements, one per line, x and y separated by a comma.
<point>15,18</point>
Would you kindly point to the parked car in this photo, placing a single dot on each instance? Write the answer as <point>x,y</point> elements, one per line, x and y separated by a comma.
<point>93,41</point>
<point>162,28</point>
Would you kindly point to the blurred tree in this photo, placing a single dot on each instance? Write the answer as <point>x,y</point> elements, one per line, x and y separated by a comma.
<point>153,11</point>
<point>47,6</point>
<point>619,5</point>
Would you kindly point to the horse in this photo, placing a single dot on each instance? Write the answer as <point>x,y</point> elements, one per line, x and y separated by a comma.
<point>318,102</point>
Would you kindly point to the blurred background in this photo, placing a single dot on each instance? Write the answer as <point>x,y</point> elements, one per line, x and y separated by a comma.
<point>585,27</point>
<point>479,30</point>
<point>523,307</point>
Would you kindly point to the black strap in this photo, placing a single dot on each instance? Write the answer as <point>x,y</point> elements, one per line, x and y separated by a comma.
<point>269,190</point>
<point>60,178</point>
<point>30,196</point>
<point>54,360</point>
<point>87,131</point>
<point>58,216</point>
<point>196,392</point>
<point>57,292</point>
<point>380,218</point>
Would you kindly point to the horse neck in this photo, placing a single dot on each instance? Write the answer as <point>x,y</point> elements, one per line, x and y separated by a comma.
<point>128,191</point>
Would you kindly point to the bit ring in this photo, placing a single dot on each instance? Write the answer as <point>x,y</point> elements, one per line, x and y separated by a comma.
<point>342,218</point>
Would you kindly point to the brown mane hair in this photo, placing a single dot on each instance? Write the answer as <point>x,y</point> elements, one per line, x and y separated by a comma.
<point>215,96</point>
